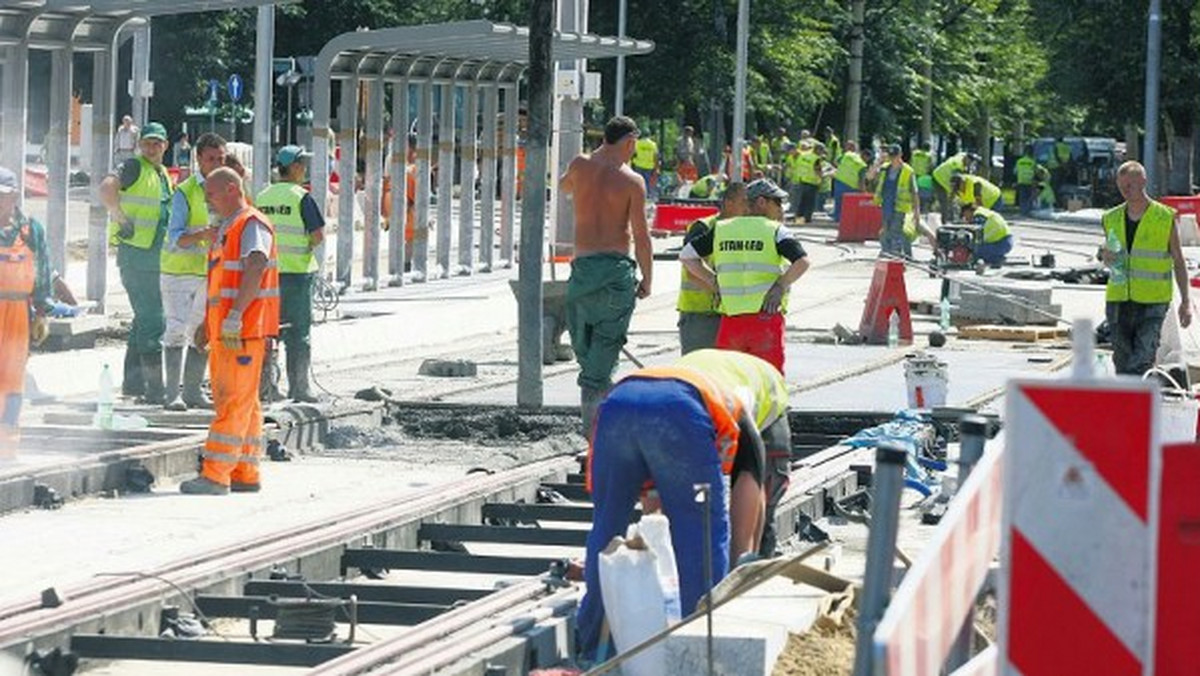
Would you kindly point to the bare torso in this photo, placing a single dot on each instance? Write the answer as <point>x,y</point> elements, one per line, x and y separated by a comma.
<point>607,196</point>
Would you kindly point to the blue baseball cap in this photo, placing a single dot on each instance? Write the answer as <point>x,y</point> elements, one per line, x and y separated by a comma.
<point>289,155</point>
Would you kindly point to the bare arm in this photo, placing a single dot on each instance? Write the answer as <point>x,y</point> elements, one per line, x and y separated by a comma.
<point>192,238</point>
<point>794,272</point>
<point>642,249</point>
<point>110,194</point>
<point>254,266</point>
<point>316,237</point>
<point>699,271</point>
<point>1181,278</point>
<point>566,185</point>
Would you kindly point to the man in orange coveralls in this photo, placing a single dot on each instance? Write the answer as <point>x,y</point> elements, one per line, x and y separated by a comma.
<point>243,311</point>
<point>24,291</point>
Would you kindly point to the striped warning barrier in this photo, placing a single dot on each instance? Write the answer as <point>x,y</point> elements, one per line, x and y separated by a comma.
<point>1177,598</point>
<point>1081,475</point>
<point>983,664</point>
<point>932,603</point>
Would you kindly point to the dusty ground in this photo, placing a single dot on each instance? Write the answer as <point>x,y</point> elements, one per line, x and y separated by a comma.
<point>827,649</point>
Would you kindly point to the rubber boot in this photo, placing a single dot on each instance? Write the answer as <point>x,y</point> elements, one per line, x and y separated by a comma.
<point>152,372</point>
<point>132,382</point>
<point>589,401</point>
<point>173,361</point>
<point>193,379</point>
<point>299,360</point>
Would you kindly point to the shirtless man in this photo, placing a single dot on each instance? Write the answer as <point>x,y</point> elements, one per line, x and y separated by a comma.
<point>609,199</point>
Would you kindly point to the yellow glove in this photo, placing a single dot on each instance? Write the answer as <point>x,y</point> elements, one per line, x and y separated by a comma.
<point>39,331</point>
<point>231,331</point>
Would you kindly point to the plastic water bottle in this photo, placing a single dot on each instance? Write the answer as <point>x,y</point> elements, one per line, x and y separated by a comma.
<point>944,320</point>
<point>1116,270</point>
<point>104,400</point>
<point>894,329</point>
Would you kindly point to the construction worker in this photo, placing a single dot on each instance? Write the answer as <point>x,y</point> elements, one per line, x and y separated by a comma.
<point>896,195</point>
<point>138,200</point>
<point>762,153</point>
<point>943,174</point>
<point>1142,249</point>
<point>645,163</point>
<point>687,153</point>
<point>243,311</point>
<point>834,147</point>
<point>184,271</point>
<point>747,255</point>
<point>922,165</point>
<point>25,290</point>
<point>1026,171</point>
<point>707,187</point>
<point>683,426</point>
<point>609,202</point>
<point>748,167</point>
<point>849,176</point>
<point>410,201</point>
<point>805,174</point>
<point>699,318</point>
<point>779,144</point>
<point>997,241</point>
<point>299,229</point>
<point>1043,188</point>
<point>977,190</point>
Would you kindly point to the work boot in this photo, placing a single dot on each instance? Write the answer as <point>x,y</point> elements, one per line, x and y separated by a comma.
<point>299,360</point>
<point>268,384</point>
<point>132,382</point>
<point>202,485</point>
<point>152,374</point>
<point>173,360</point>
<point>589,401</point>
<point>193,379</point>
<point>242,487</point>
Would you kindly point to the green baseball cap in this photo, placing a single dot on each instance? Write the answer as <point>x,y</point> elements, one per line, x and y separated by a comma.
<point>154,130</point>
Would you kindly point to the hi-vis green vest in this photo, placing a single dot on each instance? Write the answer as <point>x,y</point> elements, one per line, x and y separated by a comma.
<point>989,192</point>
<point>758,384</point>
<point>904,193</point>
<point>995,228</point>
<point>693,297</point>
<point>645,154</point>
<point>706,186</point>
<point>281,203</point>
<point>1026,167</point>
<point>944,171</point>
<point>850,169</point>
<point>747,263</point>
<point>143,203</point>
<point>764,152</point>
<point>922,162</point>
<point>191,260</point>
<point>806,169</point>
<point>1149,264</point>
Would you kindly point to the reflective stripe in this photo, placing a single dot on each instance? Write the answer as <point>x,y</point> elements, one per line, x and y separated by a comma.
<point>227,439</point>
<point>289,249</point>
<point>254,441</point>
<point>691,286</point>
<point>756,289</point>
<point>1148,253</point>
<point>236,266</point>
<point>1146,274</point>
<point>227,458</point>
<point>748,267</point>
<point>145,201</point>
<point>13,295</point>
<point>245,459</point>
<point>262,293</point>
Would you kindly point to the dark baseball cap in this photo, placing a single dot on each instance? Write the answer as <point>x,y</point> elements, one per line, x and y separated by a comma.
<point>8,181</point>
<point>764,187</point>
<point>154,130</point>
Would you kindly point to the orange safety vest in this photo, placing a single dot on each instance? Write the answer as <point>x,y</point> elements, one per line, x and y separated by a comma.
<point>260,319</point>
<point>17,271</point>
<point>723,408</point>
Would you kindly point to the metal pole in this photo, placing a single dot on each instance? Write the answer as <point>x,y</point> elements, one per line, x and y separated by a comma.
<point>347,139</point>
<point>445,193</point>
<point>533,208</point>
<point>1153,71</point>
<point>104,90</point>
<point>508,176</point>
<point>264,94</point>
<point>881,550</point>
<point>140,75</point>
<point>424,160</point>
<point>373,183</point>
<point>487,180</point>
<point>466,180</point>
<point>739,98</point>
<point>704,498</point>
<point>15,101</point>
<point>620,97</point>
<point>398,173</point>
<point>58,157</point>
<point>972,433</point>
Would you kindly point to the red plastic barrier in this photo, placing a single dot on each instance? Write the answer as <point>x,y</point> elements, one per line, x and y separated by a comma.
<point>675,218</point>
<point>861,219</point>
<point>887,295</point>
<point>1187,204</point>
<point>36,182</point>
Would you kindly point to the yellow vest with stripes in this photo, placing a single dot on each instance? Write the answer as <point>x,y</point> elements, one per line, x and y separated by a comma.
<point>1149,264</point>
<point>747,263</point>
<point>142,203</point>
<point>995,228</point>
<point>191,260</point>
<point>758,384</point>
<point>989,193</point>
<point>904,192</point>
<point>693,297</point>
<point>850,169</point>
<point>281,203</point>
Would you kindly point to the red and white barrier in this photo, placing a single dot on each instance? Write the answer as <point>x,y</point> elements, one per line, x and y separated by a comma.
<point>1177,597</point>
<point>984,664</point>
<point>932,603</point>
<point>1081,474</point>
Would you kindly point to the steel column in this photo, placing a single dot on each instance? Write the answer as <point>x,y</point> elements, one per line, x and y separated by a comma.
<point>1153,73</point>
<point>466,181</point>
<point>619,102</point>
<point>739,97</point>
<point>487,180</point>
<point>508,175</point>
<point>424,167</point>
<point>141,74</point>
<point>445,193</point>
<point>16,100</point>
<point>373,149</point>
<point>881,549</point>
<point>264,83</point>
<point>58,157</point>
<point>104,91</point>
<point>347,138</point>
<point>398,177</point>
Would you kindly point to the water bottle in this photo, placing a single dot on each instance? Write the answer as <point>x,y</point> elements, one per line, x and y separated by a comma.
<point>894,329</point>
<point>104,400</point>
<point>944,320</point>
<point>1116,270</point>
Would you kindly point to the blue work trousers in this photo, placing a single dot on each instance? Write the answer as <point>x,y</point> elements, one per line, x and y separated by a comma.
<point>660,430</point>
<point>839,189</point>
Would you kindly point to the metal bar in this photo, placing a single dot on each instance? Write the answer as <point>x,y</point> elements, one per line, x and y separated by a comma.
<point>508,176</point>
<point>445,193</point>
<point>881,549</point>
<point>972,431</point>
<point>141,74</point>
<point>739,97</point>
<point>369,593</point>
<point>530,513</point>
<point>347,139</point>
<point>58,157</point>
<point>398,173</point>
<point>373,150</point>
<point>424,163</point>
<point>104,647</point>
<point>15,104</point>
<point>619,104</point>
<point>466,199</point>
<point>560,537</point>
<point>1153,73</point>
<point>264,50</point>
<point>570,491</point>
<point>395,614</point>
<point>446,562</point>
<point>104,84</point>
<point>487,179</point>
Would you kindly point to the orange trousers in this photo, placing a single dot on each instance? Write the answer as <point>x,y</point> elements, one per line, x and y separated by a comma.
<point>235,443</point>
<point>14,353</point>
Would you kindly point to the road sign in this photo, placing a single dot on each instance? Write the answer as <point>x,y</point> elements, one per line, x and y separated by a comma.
<point>213,88</point>
<point>235,87</point>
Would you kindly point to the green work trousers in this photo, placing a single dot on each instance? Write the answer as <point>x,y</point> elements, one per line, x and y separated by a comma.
<point>295,311</point>
<point>145,296</point>
<point>600,300</point>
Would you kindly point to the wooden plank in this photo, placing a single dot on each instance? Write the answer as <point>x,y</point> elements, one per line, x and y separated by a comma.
<point>1019,334</point>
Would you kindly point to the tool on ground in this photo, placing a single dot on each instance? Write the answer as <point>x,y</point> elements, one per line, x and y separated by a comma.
<point>636,362</point>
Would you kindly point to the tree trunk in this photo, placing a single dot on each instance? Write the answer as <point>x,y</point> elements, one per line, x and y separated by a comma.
<point>927,85</point>
<point>1180,165</point>
<point>983,142</point>
<point>854,83</point>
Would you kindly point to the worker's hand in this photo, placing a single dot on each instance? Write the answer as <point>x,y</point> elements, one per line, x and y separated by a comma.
<point>643,289</point>
<point>200,337</point>
<point>125,228</point>
<point>773,301</point>
<point>1185,313</point>
<point>231,331</point>
<point>39,331</point>
<point>1108,256</point>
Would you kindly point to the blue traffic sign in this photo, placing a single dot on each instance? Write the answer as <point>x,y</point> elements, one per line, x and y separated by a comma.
<point>235,87</point>
<point>213,88</point>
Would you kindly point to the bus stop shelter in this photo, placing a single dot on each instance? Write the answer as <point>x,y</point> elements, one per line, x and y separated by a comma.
<point>477,63</point>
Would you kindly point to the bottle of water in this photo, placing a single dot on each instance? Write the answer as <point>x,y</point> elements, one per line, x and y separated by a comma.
<point>1116,270</point>
<point>104,400</point>
<point>894,329</point>
<point>944,319</point>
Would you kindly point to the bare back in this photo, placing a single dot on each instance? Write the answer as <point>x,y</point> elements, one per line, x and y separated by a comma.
<point>608,197</point>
